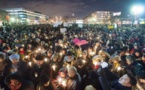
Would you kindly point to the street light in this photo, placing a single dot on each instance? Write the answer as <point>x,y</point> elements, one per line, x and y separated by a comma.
<point>137,10</point>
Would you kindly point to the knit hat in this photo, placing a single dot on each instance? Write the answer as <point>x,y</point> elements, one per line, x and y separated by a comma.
<point>14,56</point>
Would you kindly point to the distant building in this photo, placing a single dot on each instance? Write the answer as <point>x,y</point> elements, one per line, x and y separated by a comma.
<point>23,15</point>
<point>101,17</point>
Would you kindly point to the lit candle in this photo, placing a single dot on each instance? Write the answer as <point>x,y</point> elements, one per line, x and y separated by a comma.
<point>54,67</point>
<point>92,53</point>
<point>30,63</point>
<point>36,51</point>
<point>45,59</point>
<point>67,66</point>
<point>84,61</point>
<point>95,63</point>
<point>60,54</point>
<point>118,68</point>
<point>64,83</point>
<point>36,74</point>
<point>22,45</point>
<point>80,55</point>
<point>26,56</point>
<point>59,80</point>
<point>39,49</point>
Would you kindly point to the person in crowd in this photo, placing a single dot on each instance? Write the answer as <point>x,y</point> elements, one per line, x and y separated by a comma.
<point>69,59</point>
<point>15,82</point>
<point>45,83</point>
<point>74,80</point>
<point>5,68</point>
<point>14,58</point>
<point>123,83</point>
<point>133,65</point>
<point>39,68</point>
<point>55,65</point>
<point>142,61</point>
<point>140,81</point>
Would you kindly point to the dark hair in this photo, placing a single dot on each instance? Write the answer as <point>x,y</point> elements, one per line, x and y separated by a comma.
<point>12,76</point>
<point>40,57</point>
<point>141,75</point>
<point>133,80</point>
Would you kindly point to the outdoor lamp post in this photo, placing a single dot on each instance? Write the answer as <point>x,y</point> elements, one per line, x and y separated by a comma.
<point>137,10</point>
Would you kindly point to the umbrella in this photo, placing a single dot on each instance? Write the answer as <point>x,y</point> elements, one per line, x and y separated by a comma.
<point>82,42</point>
<point>76,40</point>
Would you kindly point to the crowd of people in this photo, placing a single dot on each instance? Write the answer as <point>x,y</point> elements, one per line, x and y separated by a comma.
<point>40,57</point>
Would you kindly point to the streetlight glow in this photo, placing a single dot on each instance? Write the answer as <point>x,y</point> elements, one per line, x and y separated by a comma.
<point>137,9</point>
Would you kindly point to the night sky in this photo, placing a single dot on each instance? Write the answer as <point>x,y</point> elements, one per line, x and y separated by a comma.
<point>80,8</point>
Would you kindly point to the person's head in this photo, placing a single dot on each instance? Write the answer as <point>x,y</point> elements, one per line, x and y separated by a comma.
<point>14,58</point>
<point>135,46</point>
<point>39,59</point>
<point>49,53</point>
<point>80,64</point>
<point>127,80</point>
<point>69,54</point>
<point>129,59</point>
<point>141,77</point>
<point>62,72</point>
<point>55,57</point>
<point>72,71</point>
<point>14,81</point>
<point>2,57</point>
<point>84,54</point>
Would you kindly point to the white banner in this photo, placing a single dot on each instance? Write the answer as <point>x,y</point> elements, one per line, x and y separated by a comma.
<point>63,30</point>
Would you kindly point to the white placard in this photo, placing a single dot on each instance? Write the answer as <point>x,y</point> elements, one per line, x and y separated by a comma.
<point>65,24</point>
<point>63,30</point>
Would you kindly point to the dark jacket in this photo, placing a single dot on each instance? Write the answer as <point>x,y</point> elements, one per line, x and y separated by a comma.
<point>37,72</point>
<point>118,86</point>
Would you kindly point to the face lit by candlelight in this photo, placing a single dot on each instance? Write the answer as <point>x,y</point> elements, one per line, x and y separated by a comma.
<point>39,62</point>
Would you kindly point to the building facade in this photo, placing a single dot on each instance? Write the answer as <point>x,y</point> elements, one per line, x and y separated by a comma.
<point>22,15</point>
<point>101,17</point>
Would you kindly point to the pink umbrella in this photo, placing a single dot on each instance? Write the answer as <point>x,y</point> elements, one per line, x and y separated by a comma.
<point>76,40</point>
<point>83,42</point>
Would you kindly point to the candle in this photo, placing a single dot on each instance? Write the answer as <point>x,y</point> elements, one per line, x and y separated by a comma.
<point>80,55</point>
<point>39,49</point>
<point>92,53</point>
<point>84,61</point>
<point>59,80</point>
<point>95,63</point>
<point>36,74</point>
<point>22,45</point>
<point>64,83</point>
<point>54,67</point>
<point>118,68</point>
<point>45,59</point>
<point>26,56</point>
<point>60,54</point>
<point>30,63</point>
